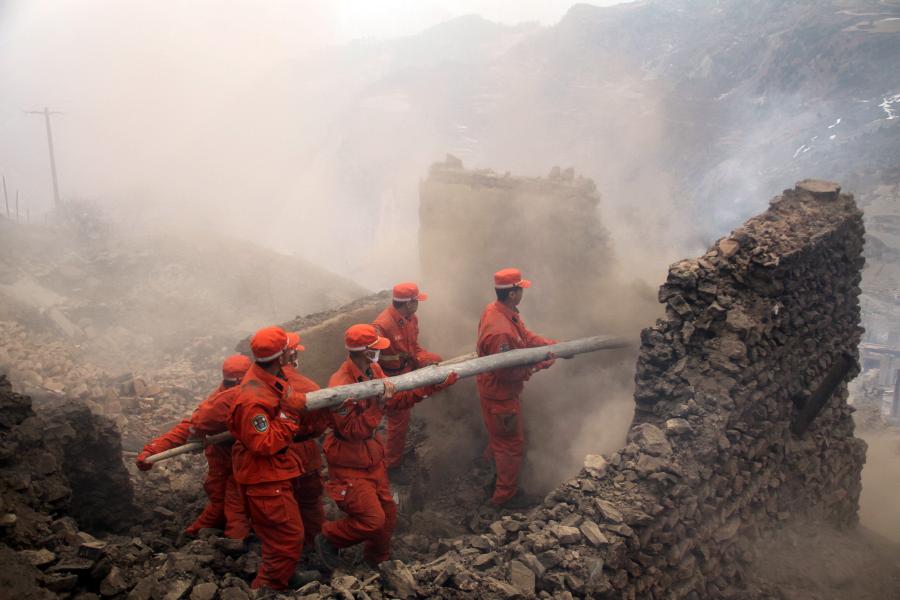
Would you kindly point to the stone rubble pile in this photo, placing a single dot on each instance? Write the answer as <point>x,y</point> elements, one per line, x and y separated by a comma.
<point>48,368</point>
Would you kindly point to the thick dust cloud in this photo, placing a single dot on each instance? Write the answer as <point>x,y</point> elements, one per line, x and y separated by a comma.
<point>474,223</point>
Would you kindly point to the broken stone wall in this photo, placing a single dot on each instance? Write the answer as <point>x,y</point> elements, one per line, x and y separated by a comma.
<point>752,329</point>
<point>475,222</point>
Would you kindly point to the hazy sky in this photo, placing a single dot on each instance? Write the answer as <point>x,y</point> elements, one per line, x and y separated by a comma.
<point>204,112</point>
<point>101,61</point>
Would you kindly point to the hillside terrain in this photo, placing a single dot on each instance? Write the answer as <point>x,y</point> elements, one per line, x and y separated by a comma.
<point>128,300</point>
<point>684,112</point>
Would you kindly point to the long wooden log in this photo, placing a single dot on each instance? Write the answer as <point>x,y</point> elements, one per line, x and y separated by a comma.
<point>431,375</point>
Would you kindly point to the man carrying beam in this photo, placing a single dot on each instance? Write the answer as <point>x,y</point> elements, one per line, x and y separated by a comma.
<point>501,329</point>
<point>224,506</point>
<point>399,324</point>
<point>357,478</point>
<point>264,420</point>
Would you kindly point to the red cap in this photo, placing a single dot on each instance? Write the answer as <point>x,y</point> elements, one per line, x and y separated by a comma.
<point>234,367</point>
<point>507,278</point>
<point>404,292</point>
<point>294,341</point>
<point>268,343</point>
<point>362,337</point>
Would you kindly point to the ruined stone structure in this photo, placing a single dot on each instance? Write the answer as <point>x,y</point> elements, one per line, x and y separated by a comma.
<point>473,223</point>
<point>753,329</point>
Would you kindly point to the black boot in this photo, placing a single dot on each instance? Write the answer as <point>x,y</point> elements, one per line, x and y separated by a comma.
<point>302,577</point>
<point>398,476</point>
<point>328,554</point>
<point>521,500</point>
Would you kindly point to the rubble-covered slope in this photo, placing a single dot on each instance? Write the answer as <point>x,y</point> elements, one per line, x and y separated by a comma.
<point>127,298</point>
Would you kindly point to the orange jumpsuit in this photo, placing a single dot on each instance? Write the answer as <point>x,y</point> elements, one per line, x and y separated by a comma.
<point>265,469</point>
<point>224,507</point>
<point>404,355</point>
<point>225,502</point>
<point>308,487</point>
<point>500,329</point>
<point>358,480</point>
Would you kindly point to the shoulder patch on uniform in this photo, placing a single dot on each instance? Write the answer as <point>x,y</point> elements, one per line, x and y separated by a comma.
<point>342,410</point>
<point>504,347</point>
<point>260,422</point>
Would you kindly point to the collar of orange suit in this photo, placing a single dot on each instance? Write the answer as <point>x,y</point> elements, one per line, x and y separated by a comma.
<point>356,373</point>
<point>277,384</point>
<point>395,314</point>
<point>511,313</point>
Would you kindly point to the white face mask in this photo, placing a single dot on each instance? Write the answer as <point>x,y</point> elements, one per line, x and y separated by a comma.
<point>373,355</point>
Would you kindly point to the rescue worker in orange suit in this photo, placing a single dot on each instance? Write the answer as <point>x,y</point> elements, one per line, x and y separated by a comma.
<point>501,329</point>
<point>224,506</point>
<point>400,325</point>
<point>308,487</point>
<point>264,421</point>
<point>358,480</point>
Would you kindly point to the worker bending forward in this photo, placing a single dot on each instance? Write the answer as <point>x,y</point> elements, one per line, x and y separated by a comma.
<point>224,507</point>
<point>400,325</point>
<point>264,429</point>
<point>358,480</point>
<point>501,329</point>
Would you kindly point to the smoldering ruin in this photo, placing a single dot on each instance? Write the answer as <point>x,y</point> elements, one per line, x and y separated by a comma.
<point>741,432</point>
<point>200,174</point>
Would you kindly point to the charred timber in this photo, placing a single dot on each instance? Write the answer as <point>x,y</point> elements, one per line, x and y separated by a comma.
<point>431,375</point>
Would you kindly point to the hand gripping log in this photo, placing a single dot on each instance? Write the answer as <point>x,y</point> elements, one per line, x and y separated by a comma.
<point>431,375</point>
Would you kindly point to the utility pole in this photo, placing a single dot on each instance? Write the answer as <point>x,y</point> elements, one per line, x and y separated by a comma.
<point>47,112</point>
<point>17,205</point>
<point>5,196</point>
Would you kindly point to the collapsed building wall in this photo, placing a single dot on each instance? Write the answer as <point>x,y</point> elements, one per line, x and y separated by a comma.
<point>474,222</point>
<point>757,330</point>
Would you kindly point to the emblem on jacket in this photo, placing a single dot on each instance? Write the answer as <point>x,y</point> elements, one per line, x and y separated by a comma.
<point>260,423</point>
<point>504,347</point>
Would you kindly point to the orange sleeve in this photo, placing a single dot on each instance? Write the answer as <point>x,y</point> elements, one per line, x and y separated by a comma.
<point>500,342</point>
<point>212,415</point>
<point>260,433</point>
<point>533,340</point>
<point>177,436</point>
<point>357,421</point>
<point>312,423</point>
